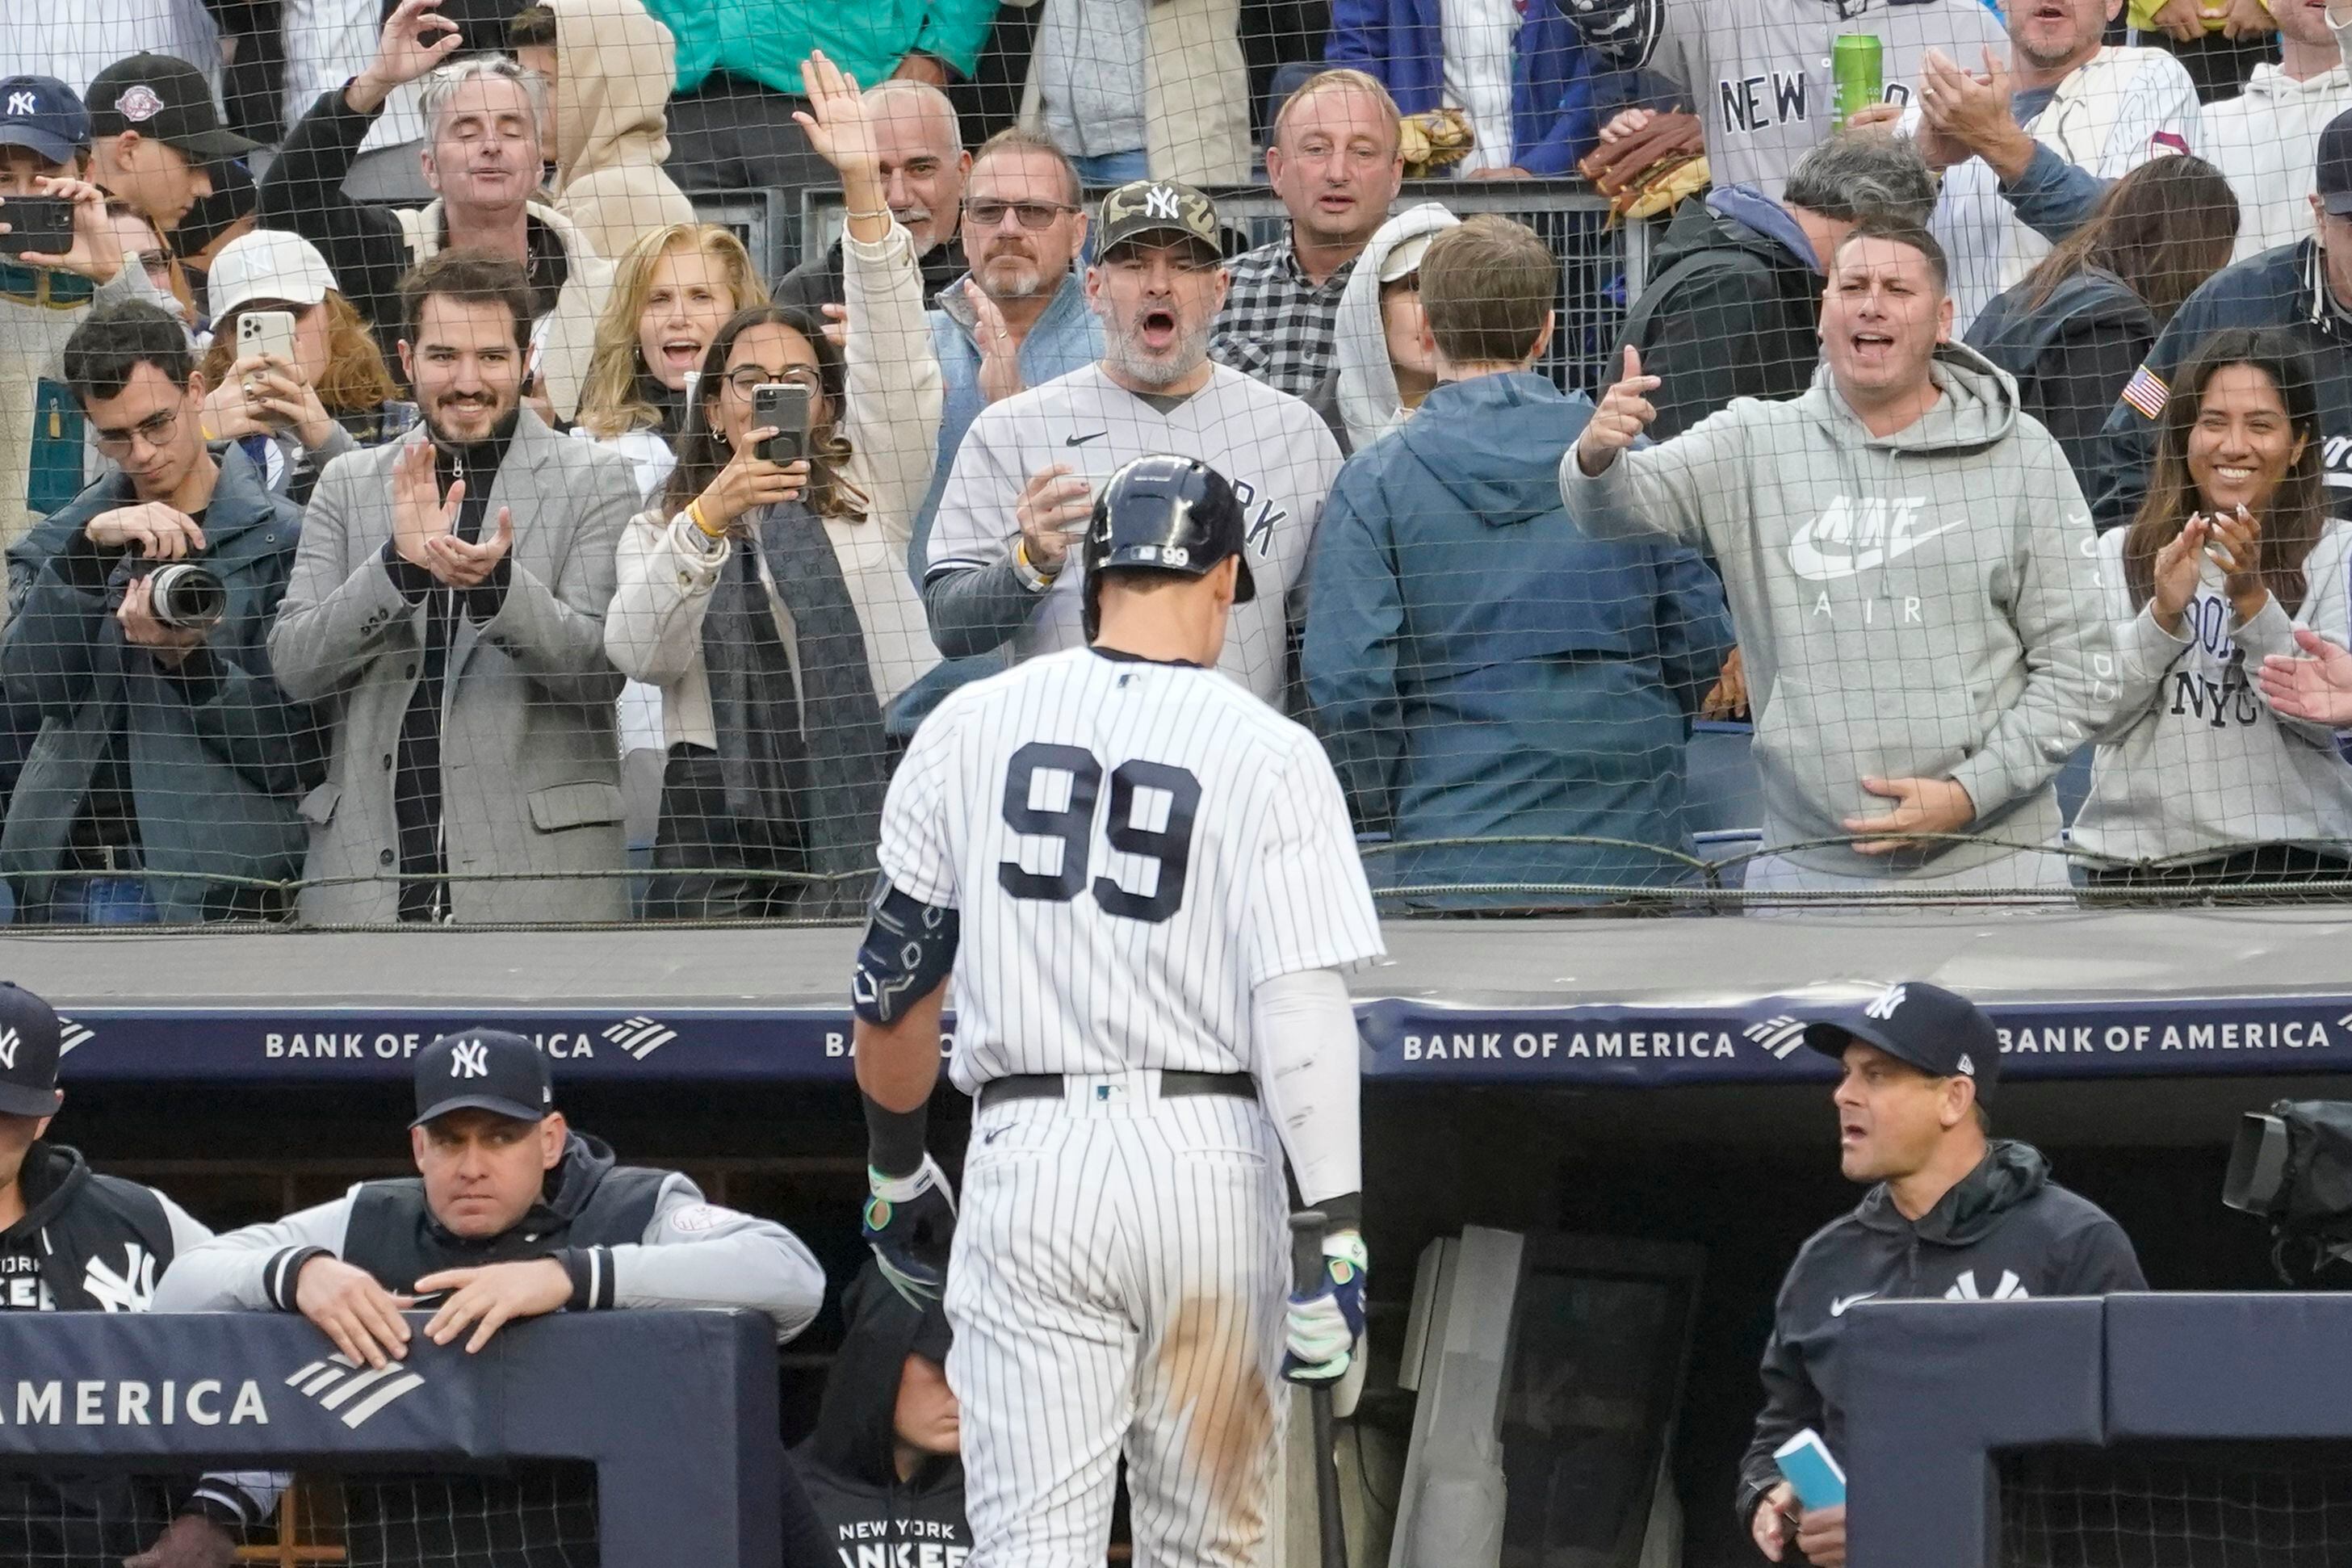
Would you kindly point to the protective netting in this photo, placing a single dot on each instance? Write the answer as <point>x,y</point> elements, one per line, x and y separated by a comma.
<point>2178,1505</point>
<point>527,1516</point>
<point>1930,581</point>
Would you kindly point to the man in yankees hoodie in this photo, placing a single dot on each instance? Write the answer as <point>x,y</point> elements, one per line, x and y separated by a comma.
<point>1951,1215</point>
<point>512,1216</point>
<point>882,1467</point>
<point>73,1241</point>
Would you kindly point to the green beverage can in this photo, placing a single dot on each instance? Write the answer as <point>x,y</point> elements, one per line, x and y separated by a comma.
<point>1856,64</point>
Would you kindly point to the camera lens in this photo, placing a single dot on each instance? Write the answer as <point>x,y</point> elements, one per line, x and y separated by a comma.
<point>188,596</point>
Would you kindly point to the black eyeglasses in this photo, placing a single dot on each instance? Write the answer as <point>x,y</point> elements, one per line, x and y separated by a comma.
<point>748,379</point>
<point>1032,215</point>
<point>154,430</point>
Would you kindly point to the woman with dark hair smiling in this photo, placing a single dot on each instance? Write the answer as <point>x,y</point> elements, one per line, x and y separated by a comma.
<point>2203,780</point>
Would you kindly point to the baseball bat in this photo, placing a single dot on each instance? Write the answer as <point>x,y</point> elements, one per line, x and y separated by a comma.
<point>1307,1229</point>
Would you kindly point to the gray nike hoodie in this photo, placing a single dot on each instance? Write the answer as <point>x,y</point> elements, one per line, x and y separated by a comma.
<point>1924,604</point>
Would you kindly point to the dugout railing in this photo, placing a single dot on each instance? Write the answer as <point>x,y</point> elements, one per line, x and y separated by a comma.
<point>677,1411</point>
<point>1943,1399</point>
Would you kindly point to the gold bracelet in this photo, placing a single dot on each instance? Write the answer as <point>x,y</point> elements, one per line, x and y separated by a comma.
<point>879,212</point>
<point>694,515</point>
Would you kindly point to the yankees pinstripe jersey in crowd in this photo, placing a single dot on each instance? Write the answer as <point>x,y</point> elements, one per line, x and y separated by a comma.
<point>1758,72</point>
<point>1134,848</point>
<point>1276,452</point>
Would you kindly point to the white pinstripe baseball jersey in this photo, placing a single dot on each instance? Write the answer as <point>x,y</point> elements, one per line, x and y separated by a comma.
<point>1276,452</point>
<point>1132,846</point>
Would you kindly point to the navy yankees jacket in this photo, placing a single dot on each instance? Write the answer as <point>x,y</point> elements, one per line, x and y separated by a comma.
<point>2006,1232</point>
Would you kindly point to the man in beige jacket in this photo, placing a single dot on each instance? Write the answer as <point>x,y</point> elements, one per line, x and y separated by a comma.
<point>1175,91</point>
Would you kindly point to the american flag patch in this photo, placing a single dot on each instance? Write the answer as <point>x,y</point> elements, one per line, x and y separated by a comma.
<point>2148,394</point>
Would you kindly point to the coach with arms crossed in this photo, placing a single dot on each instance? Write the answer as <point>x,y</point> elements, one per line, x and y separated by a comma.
<point>1953,1215</point>
<point>511,1216</point>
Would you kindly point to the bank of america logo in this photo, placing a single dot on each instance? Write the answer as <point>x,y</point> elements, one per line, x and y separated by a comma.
<point>70,1035</point>
<point>338,1382</point>
<point>1780,1036</point>
<point>641,1037</point>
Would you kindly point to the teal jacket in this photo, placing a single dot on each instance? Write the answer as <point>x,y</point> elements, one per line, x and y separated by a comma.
<point>766,40</point>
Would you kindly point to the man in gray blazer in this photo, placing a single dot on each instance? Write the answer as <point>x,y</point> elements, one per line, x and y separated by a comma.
<point>446,614</point>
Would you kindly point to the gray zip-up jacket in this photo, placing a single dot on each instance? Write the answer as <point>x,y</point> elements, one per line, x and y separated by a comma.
<point>2197,763</point>
<point>1924,604</point>
<point>693,1254</point>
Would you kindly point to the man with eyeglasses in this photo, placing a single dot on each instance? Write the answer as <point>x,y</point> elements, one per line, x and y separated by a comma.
<point>1017,318</point>
<point>166,782</point>
<point>1337,163</point>
<point>1000,571</point>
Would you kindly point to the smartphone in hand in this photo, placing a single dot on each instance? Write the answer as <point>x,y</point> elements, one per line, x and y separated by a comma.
<point>784,408</point>
<point>42,224</point>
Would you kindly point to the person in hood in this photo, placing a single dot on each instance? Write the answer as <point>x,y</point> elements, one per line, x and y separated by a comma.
<point>1386,365</point>
<point>607,64</point>
<point>511,1215</point>
<point>1734,303</point>
<point>882,1468</point>
<point>2263,140</point>
<point>1909,564</point>
<point>74,1241</point>
<point>1477,666</point>
<point>2075,331</point>
<point>1952,1214</point>
<point>483,156</point>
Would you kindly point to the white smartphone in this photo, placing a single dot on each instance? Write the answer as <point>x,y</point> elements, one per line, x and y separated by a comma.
<point>266,333</point>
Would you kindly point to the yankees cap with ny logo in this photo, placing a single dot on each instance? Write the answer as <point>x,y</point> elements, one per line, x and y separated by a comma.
<point>1166,209</point>
<point>1940,1032</point>
<point>483,1070</point>
<point>29,1036</point>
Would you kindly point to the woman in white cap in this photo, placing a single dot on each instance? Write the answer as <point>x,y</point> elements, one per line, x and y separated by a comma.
<point>294,414</point>
<point>1384,365</point>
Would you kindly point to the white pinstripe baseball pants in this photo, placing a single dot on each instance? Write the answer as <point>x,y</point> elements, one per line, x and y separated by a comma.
<point>1117,1283</point>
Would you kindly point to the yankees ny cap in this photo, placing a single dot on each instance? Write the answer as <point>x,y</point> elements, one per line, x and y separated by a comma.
<point>1162,209</point>
<point>482,1070</point>
<point>164,98</point>
<point>28,1054</point>
<point>42,113</point>
<point>1940,1032</point>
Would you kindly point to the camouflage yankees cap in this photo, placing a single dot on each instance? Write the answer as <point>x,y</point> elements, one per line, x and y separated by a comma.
<point>1161,207</point>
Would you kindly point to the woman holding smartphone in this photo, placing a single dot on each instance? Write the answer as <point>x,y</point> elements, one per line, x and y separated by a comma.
<point>296,377</point>
<point>2202,780</point>
<point>769,601</point>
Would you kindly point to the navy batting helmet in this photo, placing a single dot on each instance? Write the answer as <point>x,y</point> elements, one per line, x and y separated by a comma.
<point>1164,514</point>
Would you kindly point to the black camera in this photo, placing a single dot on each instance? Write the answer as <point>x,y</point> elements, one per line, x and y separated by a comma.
<point>181,594</point>
<point>2292,1165</point>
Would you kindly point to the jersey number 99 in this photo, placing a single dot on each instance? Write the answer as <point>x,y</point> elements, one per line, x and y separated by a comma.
<point>1170,847</point>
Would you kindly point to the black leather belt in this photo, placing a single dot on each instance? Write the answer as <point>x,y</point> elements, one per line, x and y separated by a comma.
<point>1173,1084</point>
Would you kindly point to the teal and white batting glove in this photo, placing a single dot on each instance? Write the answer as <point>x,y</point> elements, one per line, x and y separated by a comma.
<point>909,1223</point>
<point>1324,1328</point>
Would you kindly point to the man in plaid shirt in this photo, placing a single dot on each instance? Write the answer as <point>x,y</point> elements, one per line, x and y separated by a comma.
<point>1336,163</point>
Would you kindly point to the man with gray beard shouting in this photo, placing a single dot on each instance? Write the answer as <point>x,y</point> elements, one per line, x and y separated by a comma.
<point>1001,569</point>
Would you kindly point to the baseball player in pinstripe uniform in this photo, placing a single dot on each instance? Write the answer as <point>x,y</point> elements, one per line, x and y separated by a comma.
<point>1144,882</point>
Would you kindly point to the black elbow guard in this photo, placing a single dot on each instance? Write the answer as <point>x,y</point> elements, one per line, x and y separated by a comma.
<point>909,948</point>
